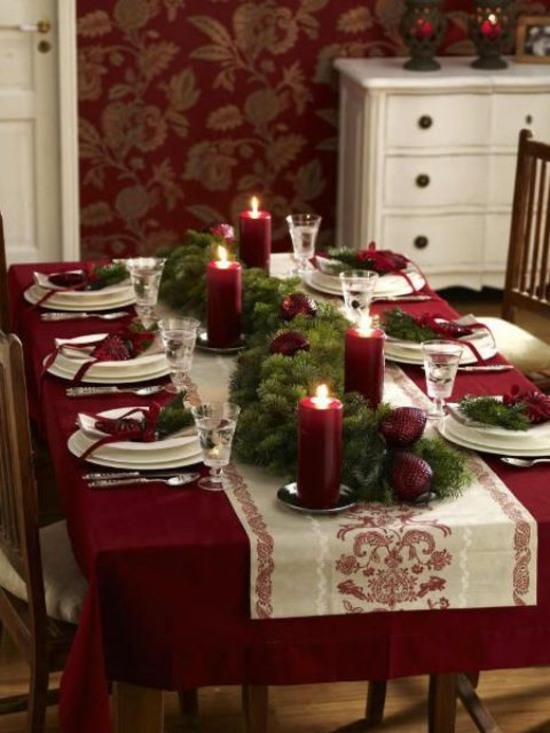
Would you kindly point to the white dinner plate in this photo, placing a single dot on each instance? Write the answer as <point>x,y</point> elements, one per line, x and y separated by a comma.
<point>386,285</point>
<point>96,300</point>
<point>410,352</point>
<point>166,448</point>
<point>451,430</point>
<point>142,368</point>
<point>141,460</point>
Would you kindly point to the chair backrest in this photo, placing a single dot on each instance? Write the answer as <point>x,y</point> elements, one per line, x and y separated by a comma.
<point>19,534</point>
<point>4,297</point>
<point>527,284</point>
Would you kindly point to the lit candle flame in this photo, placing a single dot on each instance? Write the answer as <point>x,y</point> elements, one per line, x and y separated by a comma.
<point>492,19</point>
<point>254,206</point>
<point>222,257</point>
<point>364,327</point>
<point>321,398</point>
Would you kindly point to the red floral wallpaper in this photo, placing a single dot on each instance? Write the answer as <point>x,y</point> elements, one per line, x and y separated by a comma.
<point>189,107</point>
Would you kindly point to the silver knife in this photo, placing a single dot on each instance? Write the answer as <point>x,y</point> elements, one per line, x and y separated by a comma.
<point>106,475</point>
<point>486,368</point>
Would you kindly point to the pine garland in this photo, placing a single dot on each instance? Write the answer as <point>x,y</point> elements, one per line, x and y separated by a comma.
<point>268,386</point>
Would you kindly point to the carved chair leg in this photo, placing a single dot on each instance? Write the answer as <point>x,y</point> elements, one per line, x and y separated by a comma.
<point>255,707</point>
<point>442,703</point>
<point>38,697</point>
<point>376,699</point>
<point>477,711</point>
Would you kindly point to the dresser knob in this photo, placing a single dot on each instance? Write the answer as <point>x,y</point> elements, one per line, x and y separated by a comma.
<point>425,122</point>
<point>528,119</point>
<point>422,180</point>
<point>421,242</point>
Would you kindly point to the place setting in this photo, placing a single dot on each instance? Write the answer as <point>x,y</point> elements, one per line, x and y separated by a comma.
<point>98,288</point>
<point>405,334</point>
<point>516,425</point>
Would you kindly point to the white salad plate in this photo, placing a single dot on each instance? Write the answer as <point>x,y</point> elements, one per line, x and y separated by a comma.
<point>172,452</point>
<point>142,368</point>
<point>386,285</point>
<point>99,300</point>
<point>532,442</point>
<point>410,352</point>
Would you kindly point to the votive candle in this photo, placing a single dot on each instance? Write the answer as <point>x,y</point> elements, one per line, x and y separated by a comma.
<point>320,420</point>
<point>224,301</point>
<point>255,236</point>
<point>364,362</point>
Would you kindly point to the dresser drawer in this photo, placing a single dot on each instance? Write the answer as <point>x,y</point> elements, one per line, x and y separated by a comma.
<point>512,112</point>
<point>449,120</point>
<point>435,181</point>
<point>502,172</point>
<point>434,242</point>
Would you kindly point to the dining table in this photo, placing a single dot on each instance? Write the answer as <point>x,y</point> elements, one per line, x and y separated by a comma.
<point>169,570</point>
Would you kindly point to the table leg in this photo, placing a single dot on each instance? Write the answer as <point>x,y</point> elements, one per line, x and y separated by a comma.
<point>442,703</point>
<point>137,709</point>
<point>255,704</point>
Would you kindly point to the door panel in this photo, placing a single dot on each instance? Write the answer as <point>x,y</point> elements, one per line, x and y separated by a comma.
<point>30,186</point>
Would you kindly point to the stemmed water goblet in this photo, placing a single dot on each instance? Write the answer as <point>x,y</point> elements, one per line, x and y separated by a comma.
<point>215,423</point>
<point>179,336</point>
<point>358,290</point>
<point>441,360</point>
<point>146,274</point>
<point>303,229</point>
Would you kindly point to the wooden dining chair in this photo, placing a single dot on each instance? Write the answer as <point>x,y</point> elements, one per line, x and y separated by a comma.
<point>41,587</point>
<point>4,295</point>
<point>527,280</point>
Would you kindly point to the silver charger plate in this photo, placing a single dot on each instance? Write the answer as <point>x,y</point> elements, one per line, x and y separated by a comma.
<point>288,495</point>
<point>202,343</point>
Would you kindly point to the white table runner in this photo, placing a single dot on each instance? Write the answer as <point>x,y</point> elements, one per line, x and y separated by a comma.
<point>475,551</point>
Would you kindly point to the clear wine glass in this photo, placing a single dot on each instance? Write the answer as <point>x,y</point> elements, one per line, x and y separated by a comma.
<point>303,229</point>
<point>215,423</point>
<point>146,274</point>
<point>179,336</point>
<point>358,290</point>
<point>441,360</point>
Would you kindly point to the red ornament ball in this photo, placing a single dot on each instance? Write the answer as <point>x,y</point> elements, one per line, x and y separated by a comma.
<point>410,476</point>
<point>296,304</point>
<point>403,426</point>
<point>289,343</point>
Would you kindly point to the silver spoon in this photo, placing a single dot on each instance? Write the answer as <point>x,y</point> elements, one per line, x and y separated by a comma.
<point>66,316</point>
<point>91,391</point>
<point>179,479</point>
<point>523,462</point>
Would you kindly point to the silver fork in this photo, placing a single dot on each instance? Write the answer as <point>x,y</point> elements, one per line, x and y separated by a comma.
<point>179,479</point>
<point>66,316</point>
<point>91,391</point>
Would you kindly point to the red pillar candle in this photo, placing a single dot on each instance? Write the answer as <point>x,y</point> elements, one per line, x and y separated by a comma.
<point>319,450</point>
<point>255,237</point>
<point>491,28</point>
<point>364,362</point>
<point>224,302</point>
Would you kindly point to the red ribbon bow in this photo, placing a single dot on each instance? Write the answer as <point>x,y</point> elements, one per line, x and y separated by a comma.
<point>127,428</point>
<point>537,404</point>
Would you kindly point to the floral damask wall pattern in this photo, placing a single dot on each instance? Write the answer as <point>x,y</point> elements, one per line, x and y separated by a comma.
<point>190,107</point>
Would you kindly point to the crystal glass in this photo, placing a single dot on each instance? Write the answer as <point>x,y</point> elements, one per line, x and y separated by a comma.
<point>179,336</point>
<point>358,290</point>
<point>146,274</point>
<point>215,423</point>
<point>441,360</point>
<point>303,229</point>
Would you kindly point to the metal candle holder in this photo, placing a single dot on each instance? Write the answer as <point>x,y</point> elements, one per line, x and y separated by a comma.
<point>490,31</point>
<point>422,27</point>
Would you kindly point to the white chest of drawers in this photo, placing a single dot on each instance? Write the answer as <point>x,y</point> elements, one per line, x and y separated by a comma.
<point>427,161</point>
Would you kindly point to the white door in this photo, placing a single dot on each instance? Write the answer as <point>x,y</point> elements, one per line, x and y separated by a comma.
<point>37,110</point>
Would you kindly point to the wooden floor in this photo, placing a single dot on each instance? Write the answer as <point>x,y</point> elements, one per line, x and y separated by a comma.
<point>519,700</point>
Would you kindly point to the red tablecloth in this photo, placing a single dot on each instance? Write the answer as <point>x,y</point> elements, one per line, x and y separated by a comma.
<point>168,604</point>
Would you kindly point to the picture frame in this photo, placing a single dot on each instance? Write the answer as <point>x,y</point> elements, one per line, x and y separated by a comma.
<point>533,39</point>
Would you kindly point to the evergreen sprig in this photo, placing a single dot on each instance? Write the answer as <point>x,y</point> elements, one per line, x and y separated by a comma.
<point>105,275</point>
<point>402,326</point>
<point>174,416</point>
<point>491,411</point>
